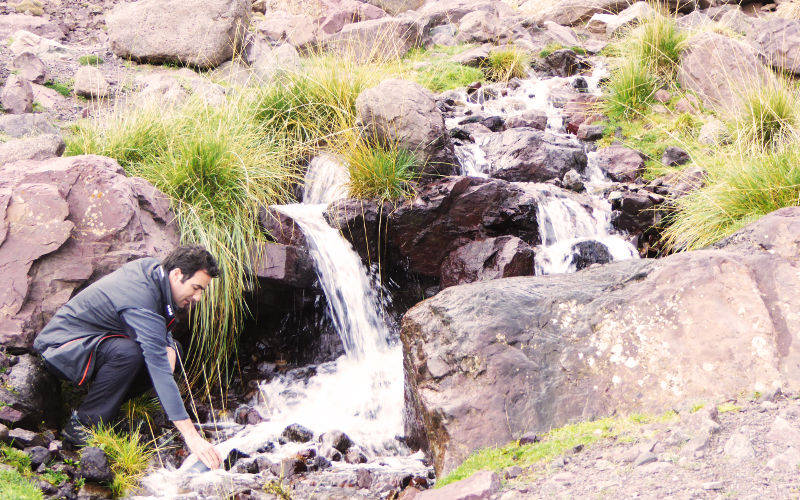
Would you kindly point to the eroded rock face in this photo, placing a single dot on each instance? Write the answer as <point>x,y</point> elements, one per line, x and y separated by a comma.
<point>201,33</point>
<point>404,112</point>
<point>537,352</point>
<point>719,68</point>
<point>487,259</point>
<point>67,221</point>
<point>779,41</point>
<point>452,212</point>
<point>527,155</point>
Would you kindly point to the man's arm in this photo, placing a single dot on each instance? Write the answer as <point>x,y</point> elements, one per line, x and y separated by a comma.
<point>151,333</point>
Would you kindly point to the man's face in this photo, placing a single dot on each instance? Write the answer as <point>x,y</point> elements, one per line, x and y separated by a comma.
<point>186,293</point>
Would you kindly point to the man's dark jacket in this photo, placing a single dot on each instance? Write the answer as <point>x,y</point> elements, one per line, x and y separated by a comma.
<point>135,301</point>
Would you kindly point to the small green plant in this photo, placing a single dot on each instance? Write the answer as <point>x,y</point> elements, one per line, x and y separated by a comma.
<point>552,444</point>
<point>15,458</point>
<point>377,171</point>
<point>629,91</point>
<point>56,478</point>
<point>277,488</point>
<point>439,77</point>
<point>697,407</point>
<point>62,88</point>
<point>129,456</point>
<point>554,46</point>
<point>90,60</point>
<point>656,44</point>
<point>728,407</point>
<point>14,485</point>
<point>35,7</point>
<point>506,63</point>
<point>769,115</point>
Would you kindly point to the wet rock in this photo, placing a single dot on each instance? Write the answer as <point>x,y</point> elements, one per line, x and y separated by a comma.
<point>281,228</point>
<point>680,183</point>
<point>620,163</point>
<point>493,123</point>
<point>282,265</point>
<point>46,267</point>
<point>364,478</point>
<point>331,453</point>
<point>586,253</point>
<point>579,109</point>
<point>289,467</point>
<point>587,132</point>
<point>39,455</point>
<point>202,33</point>
<point>531,118</point>
<point>31,148</point>
<point>337,440</point>
<point>355,455</point>
<point>233,457</point>
<point>95,466</point>
<point>527,155</point>
<point>297,433</point>
<point>318,463</point>
<point>572,180</point>
<point>451,212</point>
<point>694,291</point>
<point>565,62</point>
<point>481,485</point>
<point>718,80</point>
<point>91,491</point>
<point>33,391</point>
<point>91,83</point>
<point>404,112</point>
<point>487,259</point>
<point>16,95</point>
<point>363,223</point>
<point>30,67</point>
<point>739,447</point>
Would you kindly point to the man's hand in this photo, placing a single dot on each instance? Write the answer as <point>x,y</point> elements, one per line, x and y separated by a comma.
<point>197,445</point>
<point>204,451</point>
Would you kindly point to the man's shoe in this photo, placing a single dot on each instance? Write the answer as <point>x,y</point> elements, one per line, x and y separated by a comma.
<point>75,433</point>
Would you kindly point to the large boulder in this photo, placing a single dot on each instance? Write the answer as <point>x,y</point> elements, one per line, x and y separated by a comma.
<point>297,29</point>
<point>31,148</point>
<point>17,95</point>
<point>487,259</point>
<point>452,212</point>
<point>26,124</point>
<point>620,163</point>
<point>719,69</point>
<point>346,12</point>
<point>32,391</point>
<point>405,113</point>
<point>66,222</point>
<point>779,41</point>
<point>642,335</point>
<point>375,40</point>
<point>529,155</point>
<point>201,33</point>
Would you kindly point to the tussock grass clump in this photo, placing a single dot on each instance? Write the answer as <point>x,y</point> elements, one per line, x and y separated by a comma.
<point>217,165</point>
<point>656,43</point>
<point>629,91</point>
<point>506,63</point>
<point>447,75</point>
<point>15,485</point>
<point>552,444</point>
<point>769,115</point>
<point>129,456</point>
<point>378,171</point>
<point>741,188</point>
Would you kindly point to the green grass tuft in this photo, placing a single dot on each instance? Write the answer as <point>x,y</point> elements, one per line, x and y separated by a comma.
<point>14,486</point>
<point>554,46</point>
<point>769,115</point>
<point>56,478</point>
<point>506,63</point>
<point>629,91</point>
<point>128,454</point>
<point>443,76</point>
<point>15,458</point>
<point>62,88</point>
<point>554,443</point>
<point>90,60</point>
<point>656,43</point>
<point>386,173</point>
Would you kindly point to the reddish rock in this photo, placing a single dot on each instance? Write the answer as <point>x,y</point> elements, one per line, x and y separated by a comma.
<point>581,108</point>
<point>68,221</point>
<point>479,486</point>
<point>346,12</point>
<point>620,163</point>
<point>527,155</point>
<point>487,259</point>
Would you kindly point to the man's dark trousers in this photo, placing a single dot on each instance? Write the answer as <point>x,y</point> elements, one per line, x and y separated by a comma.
<point>119,375</point>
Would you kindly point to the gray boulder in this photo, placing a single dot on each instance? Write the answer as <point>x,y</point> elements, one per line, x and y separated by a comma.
<point>201,33</point>
<point>779,41</point>
<point>26,124</point>
<point>405,113</point>
<point>268,61</point>
<point>620,163</point>
<point>377,39</point>
<point>31,148</point>
<point>529,155</point>
<point>609,339</point>
<point>31,390</point>
<point>29,67</point>
<point>719,69</point>
<point>90,82</point>
<point>17,95</point>
<point>12,23</point>
<point>297,29</point>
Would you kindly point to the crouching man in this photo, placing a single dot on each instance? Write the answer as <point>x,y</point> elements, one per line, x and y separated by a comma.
<point>107,334</point>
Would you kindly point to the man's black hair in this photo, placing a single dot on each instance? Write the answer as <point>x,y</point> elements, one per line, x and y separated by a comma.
<point>190,259</point>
